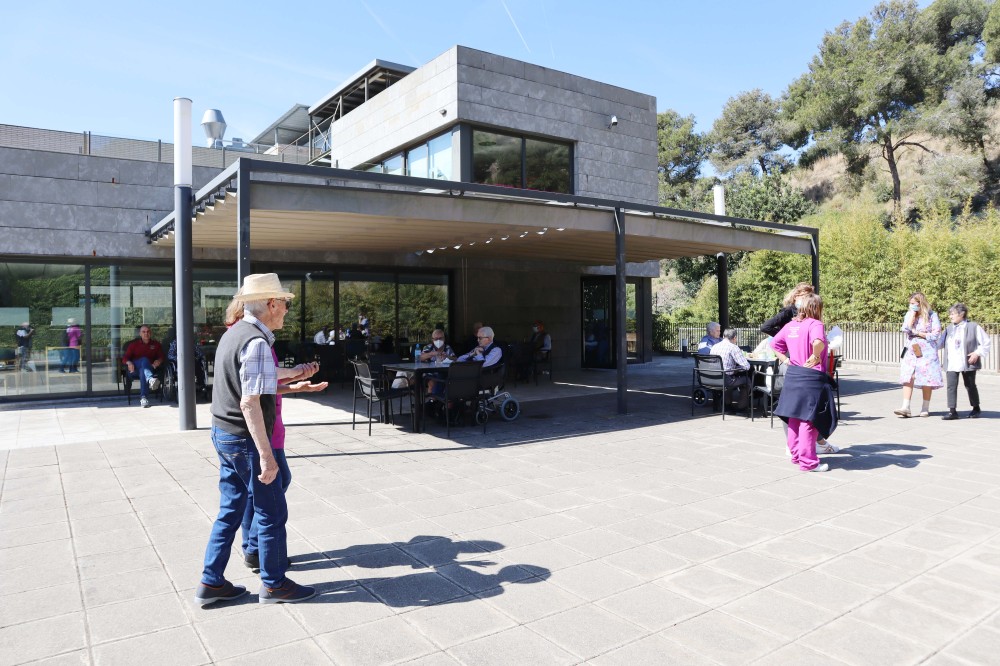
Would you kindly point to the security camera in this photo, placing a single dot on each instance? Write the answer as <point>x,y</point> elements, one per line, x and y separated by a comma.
<point>614,122</point>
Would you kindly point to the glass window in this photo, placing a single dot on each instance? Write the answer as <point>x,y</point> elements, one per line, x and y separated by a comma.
<point>50,354</point>
<point>423,305</point>
<point>394,165</point>
<point>496,159</point>
<point>440,157</point>
<point>547,166</point>
<point>416,162</point>
<point>123,298</point>
<point>370,298</point>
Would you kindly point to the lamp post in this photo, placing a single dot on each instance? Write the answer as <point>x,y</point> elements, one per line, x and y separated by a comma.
<point>183,179</point>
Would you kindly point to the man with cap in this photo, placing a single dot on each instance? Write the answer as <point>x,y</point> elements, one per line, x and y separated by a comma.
<point>243,418</point>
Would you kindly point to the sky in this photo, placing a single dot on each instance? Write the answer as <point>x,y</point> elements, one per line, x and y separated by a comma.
<point>114,67</point>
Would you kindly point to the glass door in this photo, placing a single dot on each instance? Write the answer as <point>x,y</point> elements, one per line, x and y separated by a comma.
<point>598,322</point>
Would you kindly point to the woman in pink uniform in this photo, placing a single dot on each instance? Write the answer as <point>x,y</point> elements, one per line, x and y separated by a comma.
<point>806,403</point>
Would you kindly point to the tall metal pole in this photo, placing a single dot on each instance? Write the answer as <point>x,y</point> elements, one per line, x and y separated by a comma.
<point>815,261</point>
<point>183,274</point>
<point>721,263</point>
<point>242,222</point>
<point>620,342</point>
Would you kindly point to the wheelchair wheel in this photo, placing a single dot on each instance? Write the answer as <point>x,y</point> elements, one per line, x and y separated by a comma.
<point>510,409</point>
<point>700,396</point>
<point>481,417</point>
<point>170,383</point>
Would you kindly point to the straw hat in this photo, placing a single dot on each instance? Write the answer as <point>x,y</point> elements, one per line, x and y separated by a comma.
<point>71,321</point>
<point>262,286</point>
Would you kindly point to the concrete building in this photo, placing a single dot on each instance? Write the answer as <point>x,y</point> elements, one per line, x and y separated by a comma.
<point>473,188</point>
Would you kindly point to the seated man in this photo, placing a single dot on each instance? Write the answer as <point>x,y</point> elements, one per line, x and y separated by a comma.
<point>540,341</point>
<point>199,362</point>
<point>736,365</point>
<point>438,350</point>
<point>142,357</point>
<point>323,336</point>
<point>712,338</point>
<point>485,351</point>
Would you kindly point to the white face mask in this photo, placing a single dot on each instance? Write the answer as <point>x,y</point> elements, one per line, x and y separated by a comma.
<point>799,303</point>
<point>534,329</point>
<point>439,343</point>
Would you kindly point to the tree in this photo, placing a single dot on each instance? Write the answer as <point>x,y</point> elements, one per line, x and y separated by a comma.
<point>966,114</point>
<point>870,83</point>
<point>680,153</point>
<point>766,198</point>
<point>748,134</point>
<point>991,35</point>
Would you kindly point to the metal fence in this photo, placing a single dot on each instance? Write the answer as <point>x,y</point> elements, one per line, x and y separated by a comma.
<point>85,143</point>
<point>864,342</point>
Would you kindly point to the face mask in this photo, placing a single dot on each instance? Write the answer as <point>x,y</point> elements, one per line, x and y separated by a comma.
<point>439,343</point>
<point>534,329</point>
<point>799,303</point>
<point>914,308</point>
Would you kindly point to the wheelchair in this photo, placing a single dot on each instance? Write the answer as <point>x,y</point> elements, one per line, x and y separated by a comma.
<point>169,380</point>
<point>493,399</point>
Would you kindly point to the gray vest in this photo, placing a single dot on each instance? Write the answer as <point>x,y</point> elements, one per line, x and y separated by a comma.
<point>226,390</point>
<point>970,345</point>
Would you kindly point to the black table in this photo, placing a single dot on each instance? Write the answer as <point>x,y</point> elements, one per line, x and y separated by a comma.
<point>420,370</point>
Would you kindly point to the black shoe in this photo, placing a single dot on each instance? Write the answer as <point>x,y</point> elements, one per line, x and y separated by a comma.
<point>952,415</point>
<point>252,562</point>
<point>974,414</point>
<point>289,593</point>
<point>206,594</point>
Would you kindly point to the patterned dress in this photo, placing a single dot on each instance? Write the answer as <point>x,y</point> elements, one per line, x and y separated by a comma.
<point>926,370</point>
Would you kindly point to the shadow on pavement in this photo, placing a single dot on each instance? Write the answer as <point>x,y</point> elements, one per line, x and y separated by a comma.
<point>875,456</point>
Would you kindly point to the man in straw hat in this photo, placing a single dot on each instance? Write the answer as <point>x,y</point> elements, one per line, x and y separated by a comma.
<point>243,417</point>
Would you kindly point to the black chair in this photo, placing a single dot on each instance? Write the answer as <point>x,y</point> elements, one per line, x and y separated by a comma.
<point>461,386</point>
<point>126,380</point>
<point>766,385</point>
<point>371,390</point>
<point>708,377</point>
<point>835,378</point>
<point>522,361</point>
<point>541,365</point>
<point>354,350</point>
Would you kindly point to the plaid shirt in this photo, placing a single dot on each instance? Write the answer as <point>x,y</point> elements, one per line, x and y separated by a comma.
<point>733,358</point>
<point>258,373</point>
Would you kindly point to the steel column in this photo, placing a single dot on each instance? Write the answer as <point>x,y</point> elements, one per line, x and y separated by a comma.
<point>620,297</point>
<point>722,278</point>
<point>242,222</point>
<point>815,260</point>
<point>184,280</point>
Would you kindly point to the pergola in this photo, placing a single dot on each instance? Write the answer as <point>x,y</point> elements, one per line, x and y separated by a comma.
<point>278,206</point>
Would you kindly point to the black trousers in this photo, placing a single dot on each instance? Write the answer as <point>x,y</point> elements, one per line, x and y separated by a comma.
<point>969,378</point>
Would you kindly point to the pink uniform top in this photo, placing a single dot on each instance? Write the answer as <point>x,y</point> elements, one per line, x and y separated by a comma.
<point>795,341</point>
<point>278,434</point>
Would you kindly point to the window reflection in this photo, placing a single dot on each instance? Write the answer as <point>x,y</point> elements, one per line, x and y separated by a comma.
<point>497,160</point>
<point>440,157</point>
<point>416,162</point>
<point>547,166</point>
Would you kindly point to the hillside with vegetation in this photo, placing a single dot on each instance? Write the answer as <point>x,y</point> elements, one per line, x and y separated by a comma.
<point>887,143</point>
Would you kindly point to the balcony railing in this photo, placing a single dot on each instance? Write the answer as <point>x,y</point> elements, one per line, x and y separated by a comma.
<point>86,143</point>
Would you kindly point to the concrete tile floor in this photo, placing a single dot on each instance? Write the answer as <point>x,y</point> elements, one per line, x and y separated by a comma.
<point>573,534</point>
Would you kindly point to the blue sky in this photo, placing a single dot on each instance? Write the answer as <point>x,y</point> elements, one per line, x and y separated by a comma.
<point>114,67</point>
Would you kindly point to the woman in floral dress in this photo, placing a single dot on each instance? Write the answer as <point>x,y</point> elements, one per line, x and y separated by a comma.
<point>920,365</point>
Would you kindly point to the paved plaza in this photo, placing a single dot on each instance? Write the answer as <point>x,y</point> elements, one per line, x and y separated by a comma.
<point>571,535</point>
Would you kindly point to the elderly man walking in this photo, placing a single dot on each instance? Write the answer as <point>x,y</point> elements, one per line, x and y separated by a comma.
<point>243,417</point>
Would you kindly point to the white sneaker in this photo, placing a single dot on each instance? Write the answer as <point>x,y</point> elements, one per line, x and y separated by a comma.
<point>924,414</point>
<point>144,402</point>
<point>822,467</point>
<point>154,384</point>
<point>826,447</point>
<point>905,413</point>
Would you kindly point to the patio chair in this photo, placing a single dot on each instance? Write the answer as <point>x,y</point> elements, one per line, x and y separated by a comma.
<point>708,377</point>
<point>461,386</point>
<point>765,383</point>
<point>372,391</point>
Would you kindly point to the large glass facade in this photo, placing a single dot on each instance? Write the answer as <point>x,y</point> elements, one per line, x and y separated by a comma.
<point>505,159</point>
<point>76,320</point>
<point>429,159</point>
<point>46,303</point>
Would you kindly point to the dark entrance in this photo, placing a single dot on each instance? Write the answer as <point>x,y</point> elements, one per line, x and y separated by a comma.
<point>598,321</point>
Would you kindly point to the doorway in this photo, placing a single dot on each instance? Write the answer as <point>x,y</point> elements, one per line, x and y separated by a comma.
<point>598,321</point>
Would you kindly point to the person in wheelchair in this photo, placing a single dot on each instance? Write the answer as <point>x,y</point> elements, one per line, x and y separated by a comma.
<point>200,363</point>
<point>143,358</point>
<point>736,366</point>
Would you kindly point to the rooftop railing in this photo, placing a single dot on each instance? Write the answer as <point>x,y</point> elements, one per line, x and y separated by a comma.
<point>87,143</point>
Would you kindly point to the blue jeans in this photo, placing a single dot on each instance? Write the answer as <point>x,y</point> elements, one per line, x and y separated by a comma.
<point>143,371</point>
<point>251,527</point>
<point>239,467</point>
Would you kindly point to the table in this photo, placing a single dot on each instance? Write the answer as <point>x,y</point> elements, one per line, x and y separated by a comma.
<point>419,369</point>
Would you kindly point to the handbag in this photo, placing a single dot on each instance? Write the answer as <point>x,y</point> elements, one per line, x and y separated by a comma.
<point>902,352</point>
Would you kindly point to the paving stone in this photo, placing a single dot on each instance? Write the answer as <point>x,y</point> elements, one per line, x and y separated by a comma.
<point>389,640</point>
<point>39,603</point>
<point>909,620</point>
<point>796,655</point>
<point>722,638</point>
<point>51,636</point>
<point>826,591</point>
<point>179,647</point>
<point>293,654</point>
<point>246,633</point>
<point>531,601</point>
<point>132,618</point>
<point>945,597</point>
<point>458,621</point>
<point>707,586</point>
<point>979,646</point>
<point>859,643</point>
<point>778,613</point>
<point>652,607</point>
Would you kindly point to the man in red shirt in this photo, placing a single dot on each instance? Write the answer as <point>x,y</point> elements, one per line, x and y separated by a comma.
<point>142,357</point>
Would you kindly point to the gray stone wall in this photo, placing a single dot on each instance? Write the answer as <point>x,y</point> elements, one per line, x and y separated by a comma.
<point>58,204</point>
<point>610,163</point>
